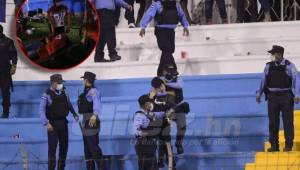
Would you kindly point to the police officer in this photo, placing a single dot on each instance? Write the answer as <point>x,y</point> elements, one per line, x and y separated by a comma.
<point>174,84</point>
<point>164,101</point>
<point>167,14</point>
<point>146,128</point>
<point>281,89</point>
<point>8,65</point>
<point>89,106</point>
<point>106,10</point>
<point>54,108</point>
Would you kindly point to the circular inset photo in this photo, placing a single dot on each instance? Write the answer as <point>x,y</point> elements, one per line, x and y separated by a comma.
<point>57,34</point>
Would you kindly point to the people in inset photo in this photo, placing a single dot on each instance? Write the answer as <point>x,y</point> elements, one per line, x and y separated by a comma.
<point>57,34</point>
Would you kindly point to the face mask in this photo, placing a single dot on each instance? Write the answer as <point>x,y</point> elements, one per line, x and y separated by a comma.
<point>272,57</point>
<point>59,87</point>
<point>151,107</point>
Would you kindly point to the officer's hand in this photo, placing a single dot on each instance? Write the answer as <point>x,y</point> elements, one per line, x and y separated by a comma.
<point>49,127</point>
<point>142,32</point>
<point>186,32</point>
<point>76,117</point>
<point>258,99</point>
<point>92,121</point>
<point>152,94</point>
<point>130,8</point>
<point>13,69</point>
<point>171,93</point>
<point>297,100</point>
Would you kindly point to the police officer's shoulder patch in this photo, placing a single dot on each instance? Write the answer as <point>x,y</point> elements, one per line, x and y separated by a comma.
<point>45,96</point>
<point>93,92</point>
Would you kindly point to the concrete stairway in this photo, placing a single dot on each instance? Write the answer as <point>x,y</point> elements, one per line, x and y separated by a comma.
<point>280,160</point>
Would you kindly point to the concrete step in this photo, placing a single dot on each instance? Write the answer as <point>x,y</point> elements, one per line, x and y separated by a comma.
<point>219,32</point>
<point>200,161</point>
<point>253,166</point>
<point>213,48</point>
<point>138,69</point>
<point>296,146</point>
<point>278,160</point>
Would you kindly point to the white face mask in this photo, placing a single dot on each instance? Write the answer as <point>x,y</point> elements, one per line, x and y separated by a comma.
<point>272,57</point>
<point>151,107</point>
<point>59,87</point>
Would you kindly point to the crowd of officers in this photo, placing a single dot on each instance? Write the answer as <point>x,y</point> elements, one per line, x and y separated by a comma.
<point>54,108</point>
<point>158,109</point>
<point>152,122</point>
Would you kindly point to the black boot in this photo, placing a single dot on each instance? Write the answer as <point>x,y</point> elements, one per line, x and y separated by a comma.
<point>288,148</point>
<point>115,57</point>
<point>180,149</point>
<point>178,145</point>
<point>273,149</point>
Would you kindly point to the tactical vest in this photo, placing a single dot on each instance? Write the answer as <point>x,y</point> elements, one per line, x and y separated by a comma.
<point>154,126</point>
<point>163,103</point>
<point>169,13</point>
<point>59,108</point>
<point>278,77</point>
<point>84,106</point>
<point>178,94</point>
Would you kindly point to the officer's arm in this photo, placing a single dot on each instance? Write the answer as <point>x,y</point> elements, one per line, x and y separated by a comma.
<point>71,108</point>
<point>159,115</point>
<point>149,15</point>
<point>181,14</point>
<point>138,123</point>
<point>42,109</point>
<point>13,53</point>
<point>177,85</point>
<point>94,94</point>
<point>122,3</point>
<point>262,84</point>
<point>293,72</point>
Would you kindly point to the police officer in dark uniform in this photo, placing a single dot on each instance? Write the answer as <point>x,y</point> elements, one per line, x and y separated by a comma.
<point>146,128</point>
<point>8,65</point>
<point>54,107</point>
<point>279,83</point>
<point>167,14</point>
<point>106,10</point>
<point>174,84</point>
<point>164,101</point>
<point>89,103</point>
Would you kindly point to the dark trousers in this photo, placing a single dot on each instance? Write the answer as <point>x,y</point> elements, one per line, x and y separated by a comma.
<point>129,15</point>
<point>166,43</point>
<point>281,103</point>
<point>249,12</point>
<point>59,135</point>
<point>117,15</point>
<point>92,151</point>
<point>145,149</point>
<point>144,5</point>
<point>184,5</point>
<point>107,34</point>
<point>5,84</point>
<point>180,120</point>
<point>163,138</point>
<point>209,7</point>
